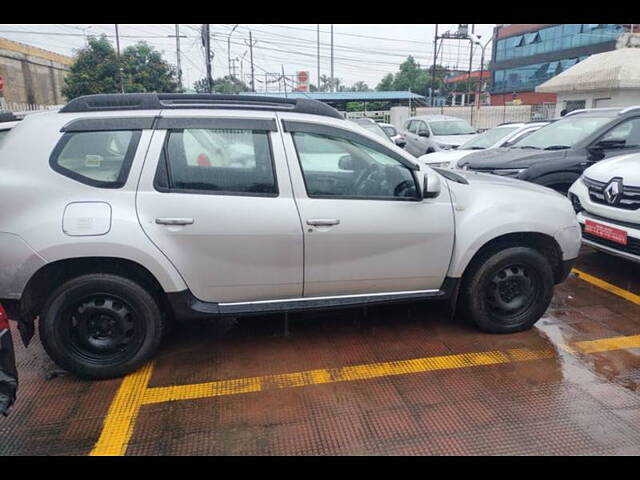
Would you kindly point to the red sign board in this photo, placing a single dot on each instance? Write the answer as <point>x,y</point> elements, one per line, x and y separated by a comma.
<point>604,231</point>
<point>1,83</point>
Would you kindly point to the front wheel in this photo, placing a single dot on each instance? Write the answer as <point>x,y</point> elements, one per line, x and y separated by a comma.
<point>100,326</point>
<point>508,291</point>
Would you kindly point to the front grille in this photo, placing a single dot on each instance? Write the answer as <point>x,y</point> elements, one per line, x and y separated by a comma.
<point>630,199</point>
<point>632,246</point>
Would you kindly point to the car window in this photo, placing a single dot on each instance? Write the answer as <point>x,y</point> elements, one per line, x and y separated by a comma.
<point>231,161</point>
<point>340,168</point>
<point>566,132</point>
<point>488,138</point>
<point>409,126</point>
<point>624,135</point>
<point>451,127</point>
<point>100,159</point>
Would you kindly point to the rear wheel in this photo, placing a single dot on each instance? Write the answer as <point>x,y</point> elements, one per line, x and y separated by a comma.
<point>508,291</point>
<point>100,326</point>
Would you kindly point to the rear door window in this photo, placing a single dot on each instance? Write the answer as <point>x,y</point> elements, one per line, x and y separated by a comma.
<point>217,161</point>
<point>100,159</point>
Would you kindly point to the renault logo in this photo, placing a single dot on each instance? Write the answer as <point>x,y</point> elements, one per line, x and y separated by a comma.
<point>613,191</point>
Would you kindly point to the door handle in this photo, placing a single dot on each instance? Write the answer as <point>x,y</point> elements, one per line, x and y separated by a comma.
<point>174,221</point>
<point>323,222</point>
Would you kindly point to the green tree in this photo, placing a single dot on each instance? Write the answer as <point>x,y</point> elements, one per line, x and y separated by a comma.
<point>144,70</point>
<point>227,85</point>
<point>360,86</point>
<point>95,70</point>
<point>386,84</point>
<point>411,77</point>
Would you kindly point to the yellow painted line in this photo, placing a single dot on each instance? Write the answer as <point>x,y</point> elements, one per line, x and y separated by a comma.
<point>121,418</point>
<point>609,287</point>
<point>608,344</point>
<point>344,374</point>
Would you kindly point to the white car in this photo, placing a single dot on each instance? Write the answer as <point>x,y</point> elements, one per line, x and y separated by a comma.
<point>5,128</point>
<point>606,199</point>
<point>502,136</point>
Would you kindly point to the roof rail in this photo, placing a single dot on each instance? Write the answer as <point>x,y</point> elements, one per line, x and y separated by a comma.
<point>159,101</point>
<point>586,110</point>
<point>629,109</point>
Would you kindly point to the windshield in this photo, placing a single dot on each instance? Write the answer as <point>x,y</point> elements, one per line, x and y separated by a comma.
<point>489,138</point>
<point>451,127</point>
<point>563,133</point>
<point>390,131</point>
<point>374,128</point>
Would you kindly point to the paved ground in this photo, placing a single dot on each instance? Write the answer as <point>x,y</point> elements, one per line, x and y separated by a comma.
<point>388,381</point>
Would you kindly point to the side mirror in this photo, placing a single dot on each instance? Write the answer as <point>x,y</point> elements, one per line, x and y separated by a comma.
<point>423,133</point>
<point>432,186</point>
<point>609,144</point>
<point>346,162</point>
<point>401,142</point>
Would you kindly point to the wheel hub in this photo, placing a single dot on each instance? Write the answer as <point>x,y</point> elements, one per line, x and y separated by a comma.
<point>103,324</point>
<point>510,290</point>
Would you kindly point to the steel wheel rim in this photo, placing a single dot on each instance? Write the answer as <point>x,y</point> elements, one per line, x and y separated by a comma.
<point>511,291</point>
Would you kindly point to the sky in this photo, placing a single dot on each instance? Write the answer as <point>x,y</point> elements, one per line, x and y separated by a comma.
<point>362,52</point>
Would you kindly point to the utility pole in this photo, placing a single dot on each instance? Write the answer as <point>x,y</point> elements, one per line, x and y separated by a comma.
<point>318,56</point>
<point>118,60</point>
<point>179,64</point>
<point>206,42</point>
<point>253,76</point>
<point>332,81</point>
<point>433,71</point>
<point>229,46</point>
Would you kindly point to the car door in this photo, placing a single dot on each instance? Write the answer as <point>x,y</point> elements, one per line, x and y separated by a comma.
<point>216,199</point>
<point>368,230</point>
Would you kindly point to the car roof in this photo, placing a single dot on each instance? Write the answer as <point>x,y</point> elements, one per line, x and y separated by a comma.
<point>434,117</point>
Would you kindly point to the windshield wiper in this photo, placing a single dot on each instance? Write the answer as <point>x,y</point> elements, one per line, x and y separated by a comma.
<point>557,147</point>
<point>529,146</point>
<point>474,148</point>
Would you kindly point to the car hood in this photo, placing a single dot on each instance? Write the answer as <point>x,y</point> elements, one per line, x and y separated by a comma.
<point>444,156</point>
<point>626,167</point>
<point>487,180</point>
<point>509,158</point>
<point>455,140</point>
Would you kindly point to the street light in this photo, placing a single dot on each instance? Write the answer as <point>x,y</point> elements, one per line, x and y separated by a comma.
<point>476,40</point>
<point>229,45</point>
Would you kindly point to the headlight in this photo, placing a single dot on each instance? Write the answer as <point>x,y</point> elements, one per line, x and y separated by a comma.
<point>575,201</point>
<point>444,146</point>
<point>509,172</point>
<point>437,164</point>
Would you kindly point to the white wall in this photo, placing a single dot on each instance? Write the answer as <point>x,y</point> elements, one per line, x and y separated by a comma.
<point>617,98</point>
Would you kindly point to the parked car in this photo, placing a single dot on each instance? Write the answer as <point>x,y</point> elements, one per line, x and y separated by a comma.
<point>7,121</point>
<point>372,126</point>
<point>556,155</point>
<point>502,136</point>
<point>435,133</point>
<point>606,199</point>
<point>393,133</point>
<point>122,227</point>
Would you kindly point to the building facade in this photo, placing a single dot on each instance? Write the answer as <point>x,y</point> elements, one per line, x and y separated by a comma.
<point>31,75</point>
<point>527,55</point>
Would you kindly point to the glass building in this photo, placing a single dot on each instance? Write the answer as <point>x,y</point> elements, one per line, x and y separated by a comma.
<point>524,56</point>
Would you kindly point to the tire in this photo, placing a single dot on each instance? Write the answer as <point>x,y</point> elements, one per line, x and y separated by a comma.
<point>507,291</point>
<point>100,326</point>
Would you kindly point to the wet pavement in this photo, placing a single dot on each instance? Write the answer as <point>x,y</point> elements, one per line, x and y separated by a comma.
<point>392,380</point>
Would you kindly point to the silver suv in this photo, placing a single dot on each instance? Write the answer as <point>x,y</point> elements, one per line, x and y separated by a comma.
<point>119,212</point>
<point>436,133</point>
